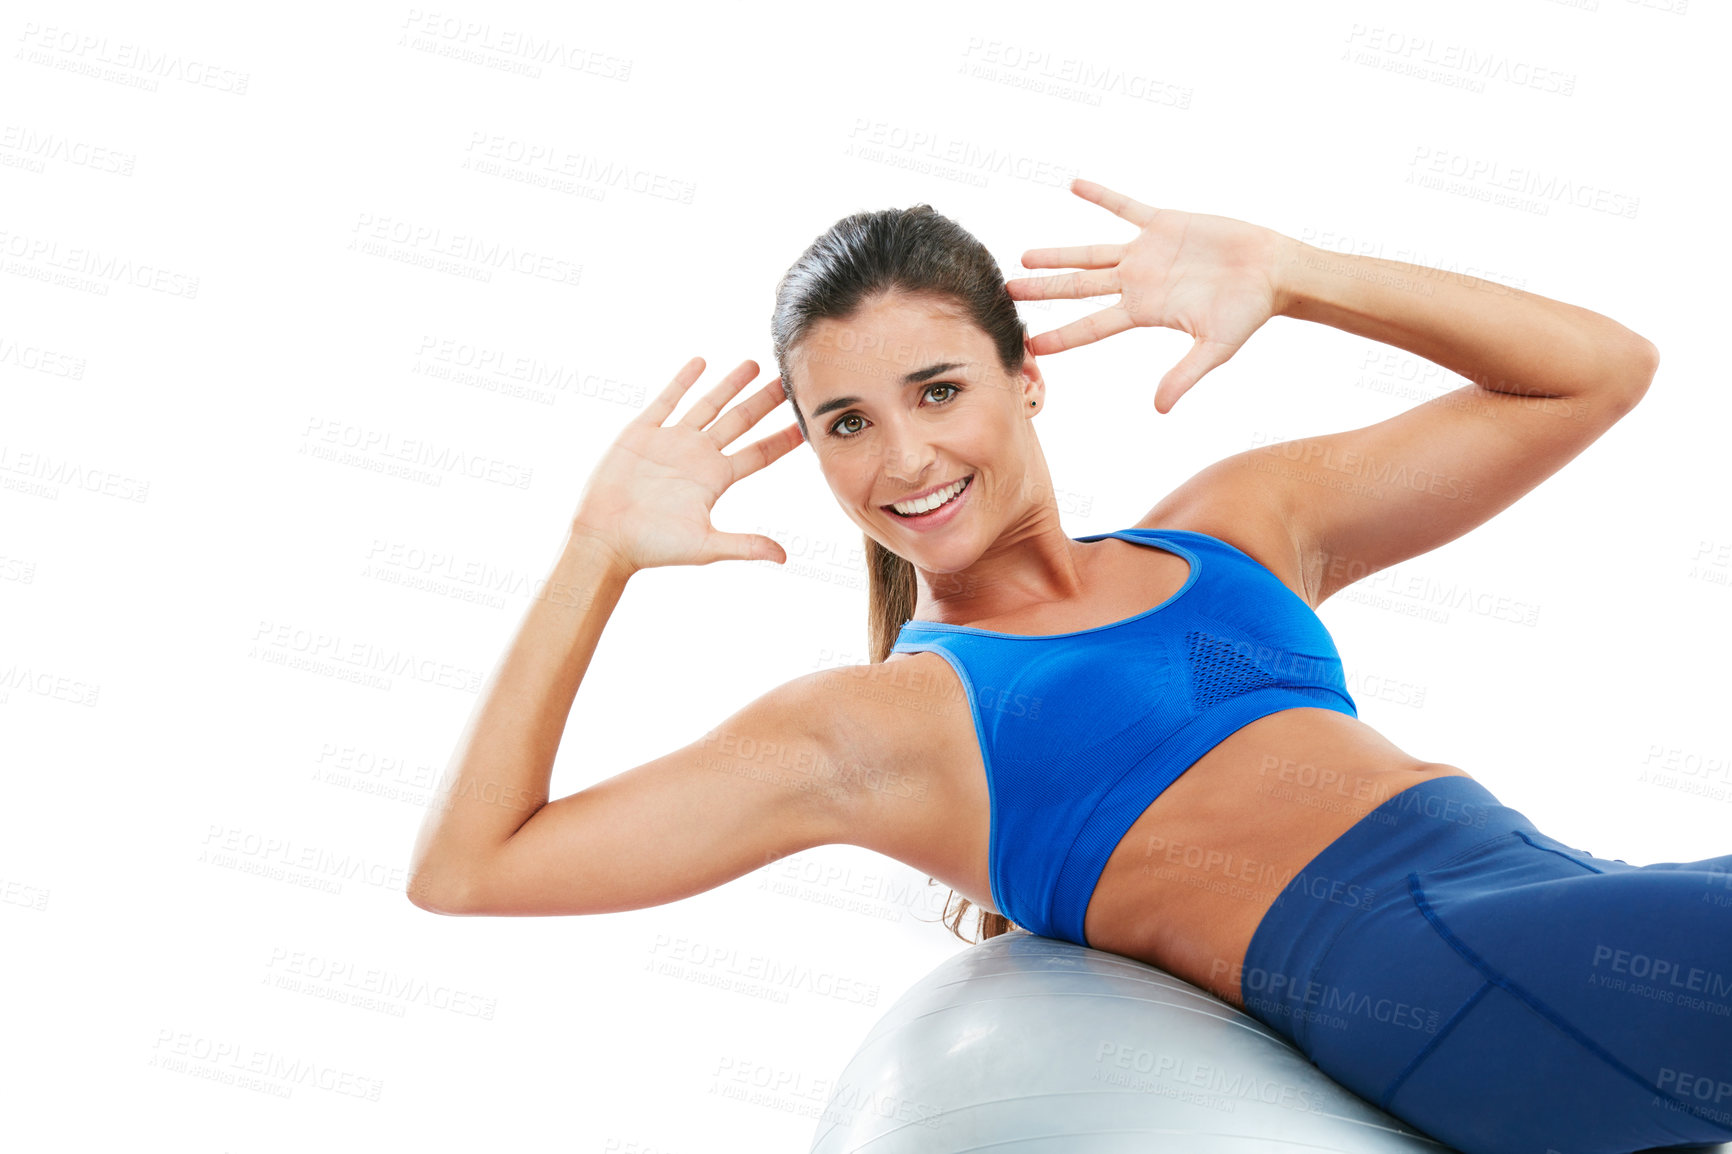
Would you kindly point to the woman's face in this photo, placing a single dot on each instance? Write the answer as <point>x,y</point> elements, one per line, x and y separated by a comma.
<point>907,396</point>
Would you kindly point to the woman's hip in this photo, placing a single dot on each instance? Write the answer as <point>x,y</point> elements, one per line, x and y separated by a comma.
<point>1451,963</point>
<point>1356,888</point>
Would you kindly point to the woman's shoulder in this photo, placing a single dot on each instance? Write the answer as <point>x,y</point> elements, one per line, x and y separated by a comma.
<point>896,732</point>
<point>1231,501</point>
<point>880,713</point>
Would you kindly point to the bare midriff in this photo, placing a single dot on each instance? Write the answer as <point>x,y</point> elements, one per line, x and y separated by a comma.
<point>1193,876</point>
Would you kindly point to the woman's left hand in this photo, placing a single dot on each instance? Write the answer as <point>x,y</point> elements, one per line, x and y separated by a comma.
<point>1210,276</point>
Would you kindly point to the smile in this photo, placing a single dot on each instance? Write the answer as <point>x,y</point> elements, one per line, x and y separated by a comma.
<point>927,505</point>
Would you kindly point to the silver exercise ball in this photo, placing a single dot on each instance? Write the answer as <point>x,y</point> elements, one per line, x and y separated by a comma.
<point>1029,1045</point>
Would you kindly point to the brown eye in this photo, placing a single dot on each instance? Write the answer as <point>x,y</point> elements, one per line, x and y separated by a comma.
<point>834,429</point>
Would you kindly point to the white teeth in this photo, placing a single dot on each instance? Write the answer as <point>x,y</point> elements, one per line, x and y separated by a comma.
<point>928,503</point>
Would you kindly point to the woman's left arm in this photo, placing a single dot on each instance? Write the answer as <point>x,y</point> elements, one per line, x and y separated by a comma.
<point>1499,337</point>
<point>1548,378</point>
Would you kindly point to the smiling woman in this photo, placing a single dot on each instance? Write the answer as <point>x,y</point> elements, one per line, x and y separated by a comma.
<point>875,289</point>
<point>1139,741</point>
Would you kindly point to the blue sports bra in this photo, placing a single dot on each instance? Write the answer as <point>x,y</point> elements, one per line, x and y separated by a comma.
<point>1081,731</point>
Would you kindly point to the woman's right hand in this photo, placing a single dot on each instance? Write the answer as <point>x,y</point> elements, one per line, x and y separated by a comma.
<point>649,498</point>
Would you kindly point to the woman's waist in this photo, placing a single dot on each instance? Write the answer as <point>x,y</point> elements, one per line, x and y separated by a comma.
<point>1361,878</point>
<point>1198,869</point>
<point>1283,786</point>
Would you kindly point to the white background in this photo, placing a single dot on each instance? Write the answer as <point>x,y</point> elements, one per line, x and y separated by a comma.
<point>234,662</point>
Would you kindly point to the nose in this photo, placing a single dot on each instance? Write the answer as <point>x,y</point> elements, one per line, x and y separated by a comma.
<point>907,457</point>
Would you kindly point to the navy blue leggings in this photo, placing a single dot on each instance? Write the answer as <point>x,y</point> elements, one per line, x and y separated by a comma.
<point>1502,991</point>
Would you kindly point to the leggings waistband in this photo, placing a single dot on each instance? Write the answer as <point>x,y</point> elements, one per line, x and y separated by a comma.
<point>1361,871</point>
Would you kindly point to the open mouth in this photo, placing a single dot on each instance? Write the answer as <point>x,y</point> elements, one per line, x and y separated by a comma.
<point>962,487</point>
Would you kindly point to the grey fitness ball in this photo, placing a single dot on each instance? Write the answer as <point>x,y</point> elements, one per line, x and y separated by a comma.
<point>1028,1045</point>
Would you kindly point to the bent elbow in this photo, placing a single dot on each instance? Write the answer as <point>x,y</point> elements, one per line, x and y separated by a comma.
<point>1628,378</point>
<point>427,892</point>
<point>1645,362</point>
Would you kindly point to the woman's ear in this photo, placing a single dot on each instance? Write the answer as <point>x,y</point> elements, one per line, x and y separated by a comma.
<point>1033,384</point>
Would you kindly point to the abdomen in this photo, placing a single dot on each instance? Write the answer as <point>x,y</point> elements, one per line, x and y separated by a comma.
<point>1188,883</point>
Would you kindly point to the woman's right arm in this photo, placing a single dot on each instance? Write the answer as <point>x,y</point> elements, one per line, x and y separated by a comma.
<point>491,841</point>
<point>757,787</point>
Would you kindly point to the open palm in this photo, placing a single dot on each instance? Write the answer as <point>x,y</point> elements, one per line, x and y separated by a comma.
<point>1213,277</point>
<point>649,498</point>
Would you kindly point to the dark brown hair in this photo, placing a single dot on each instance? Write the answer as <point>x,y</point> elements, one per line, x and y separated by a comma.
<point>861,258</point>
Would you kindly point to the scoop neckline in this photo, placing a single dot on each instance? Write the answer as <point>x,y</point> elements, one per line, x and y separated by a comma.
<point>1191,559</point>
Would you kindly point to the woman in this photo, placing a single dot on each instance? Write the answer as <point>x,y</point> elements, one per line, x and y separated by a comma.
<point>1140,741</point>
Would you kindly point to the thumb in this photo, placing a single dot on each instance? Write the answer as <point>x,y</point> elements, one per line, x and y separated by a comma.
<point>746,547</point>
<point>1204,356</point>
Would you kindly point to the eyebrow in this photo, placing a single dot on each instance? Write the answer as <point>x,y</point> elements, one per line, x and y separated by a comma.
<point>914,378</point>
